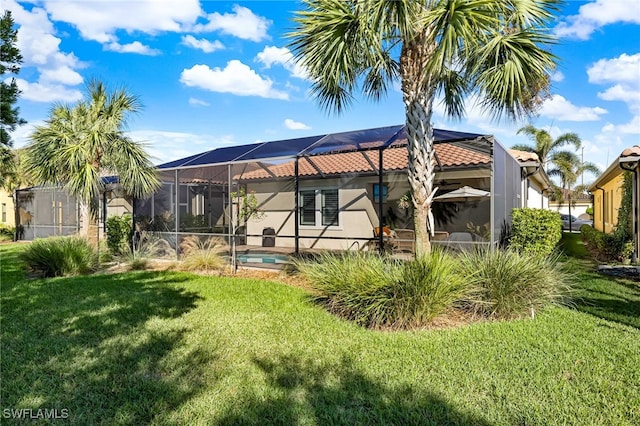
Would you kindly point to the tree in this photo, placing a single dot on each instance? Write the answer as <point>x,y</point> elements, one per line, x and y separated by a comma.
<point>544,145</point>
<point>79,144</point>
<point>568,167</point>
<point>10,60</point>
<point>439,49</point>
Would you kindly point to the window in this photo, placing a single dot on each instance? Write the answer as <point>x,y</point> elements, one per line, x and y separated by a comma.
<point>376,193</point>
<point>327,214</point>
<point>4,212</point>
<point>308,208</point>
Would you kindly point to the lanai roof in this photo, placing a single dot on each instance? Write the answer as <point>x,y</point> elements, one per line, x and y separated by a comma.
<point>344,142</point>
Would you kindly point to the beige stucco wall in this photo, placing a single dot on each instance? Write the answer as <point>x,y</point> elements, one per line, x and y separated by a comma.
<point>606,203</point>
<point>7,212</point>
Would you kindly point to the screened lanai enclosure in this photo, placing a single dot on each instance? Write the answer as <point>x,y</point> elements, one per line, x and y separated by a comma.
<point>340,191</point>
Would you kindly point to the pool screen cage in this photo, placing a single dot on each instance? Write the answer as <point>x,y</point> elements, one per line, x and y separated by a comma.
<point>341,191</point>
<point>44,212</point>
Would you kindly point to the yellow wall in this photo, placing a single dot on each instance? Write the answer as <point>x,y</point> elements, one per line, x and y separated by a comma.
<point>606,203</point>
<point>7,214</point>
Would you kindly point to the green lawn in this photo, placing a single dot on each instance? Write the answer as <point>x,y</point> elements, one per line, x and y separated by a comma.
<point>175,348</point>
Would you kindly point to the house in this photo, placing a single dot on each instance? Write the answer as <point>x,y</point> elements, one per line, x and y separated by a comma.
<point>608,194</point>
<point>332,191</point>
<point>580,202</point>
<point>7,215</point>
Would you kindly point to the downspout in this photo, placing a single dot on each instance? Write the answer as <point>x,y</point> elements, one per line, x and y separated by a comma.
<point>380,204</point>
<point>526,194</point>
<point>296,216</point>
<point>604,194</point>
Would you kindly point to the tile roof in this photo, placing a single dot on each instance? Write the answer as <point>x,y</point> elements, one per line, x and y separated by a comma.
<point>576,196</point>
<point>634,151</point>
<point>449,156</point>
<point>524,156</point>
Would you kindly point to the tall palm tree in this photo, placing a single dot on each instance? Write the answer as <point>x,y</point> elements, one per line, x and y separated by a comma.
<point>81,143</point>
<point>439,49</point>
<point>544,145</point>
<point>567,167</point>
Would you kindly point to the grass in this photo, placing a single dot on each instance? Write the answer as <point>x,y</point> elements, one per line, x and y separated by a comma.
<point>175,348</point>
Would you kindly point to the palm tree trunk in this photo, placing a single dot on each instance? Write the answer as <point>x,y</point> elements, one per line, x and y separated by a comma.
<point>418,101</point>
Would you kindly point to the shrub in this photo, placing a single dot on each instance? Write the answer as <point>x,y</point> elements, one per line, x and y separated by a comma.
<point>119,229</point>
<point>7,232</point>
<point>535,231</point>
<point>375,291</point>
<point>203,255</point>
<point>606,246</point>
<point>59,256</point>
<point>148,246</point>
<point>509,284</point>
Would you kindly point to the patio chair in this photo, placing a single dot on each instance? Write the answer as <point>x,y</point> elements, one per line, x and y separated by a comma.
<point>389,238</point>
<point>405,240</point>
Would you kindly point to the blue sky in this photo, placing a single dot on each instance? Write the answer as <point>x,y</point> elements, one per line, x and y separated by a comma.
<point>213,73</point>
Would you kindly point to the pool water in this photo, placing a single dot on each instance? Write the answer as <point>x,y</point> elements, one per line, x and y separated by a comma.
<point>257,258</point>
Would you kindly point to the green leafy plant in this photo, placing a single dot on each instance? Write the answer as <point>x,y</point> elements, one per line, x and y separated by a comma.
<point>511,284</point>
<point>377,291</point>
<point>535,231</point>
<point>247,206</point>
<point>589,211</point>
<point>7,232</point>
<point>203,254</point>
<point>59,256</point>
<point>119,230</point>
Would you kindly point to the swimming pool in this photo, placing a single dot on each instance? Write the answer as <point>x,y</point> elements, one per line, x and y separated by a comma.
<point>258,259</point>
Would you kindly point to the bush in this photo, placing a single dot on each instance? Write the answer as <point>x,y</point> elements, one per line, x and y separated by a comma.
<point>59,256</point>
<point>509,284</point>
<point>203,255</point>
<point>376,291</point>
<point>119,229</point>
<point>606,246</point>
<point>7,232</point>
<point>535,231</point>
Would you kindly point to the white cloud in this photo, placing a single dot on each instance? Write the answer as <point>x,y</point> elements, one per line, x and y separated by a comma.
<point>594,15</point>
<point>236,78</point>
<point>630,128</point>
<point>295,125</point>
<point>557,76</point>
<point>135,47</point>
<point>271,55</point>
<point>63,74</point>
<point>198,102</point>
<point>624,68</point>
<point>242,23</point>
<point>166,146</point>
<point>100,20</point>
<point>202,44</point>
<point>559,108</point>
<point>620,93</point>
<point>39,92</point>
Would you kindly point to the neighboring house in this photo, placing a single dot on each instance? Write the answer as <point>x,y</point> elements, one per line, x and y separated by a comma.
<point>7,212</point>
<point>607,193</point>
<point>536,184</point>
<point>332,191</point>
<point>580,202</point>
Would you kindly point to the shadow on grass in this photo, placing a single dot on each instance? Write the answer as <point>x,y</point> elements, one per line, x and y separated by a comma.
<point>314,391</point>
<point>607,297</point>
<point>102,347</point>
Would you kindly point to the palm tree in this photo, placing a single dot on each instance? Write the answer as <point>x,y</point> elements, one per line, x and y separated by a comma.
<point>439,49</point>
<point>544,145</point>
<point>81,143</point>
<point>568,167</point>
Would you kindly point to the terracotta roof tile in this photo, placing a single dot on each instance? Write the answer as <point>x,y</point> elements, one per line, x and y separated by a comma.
<point>634,151</point>
<point>524,156</point>
<point>395,158</point>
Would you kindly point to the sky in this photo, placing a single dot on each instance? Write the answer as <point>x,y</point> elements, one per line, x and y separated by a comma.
<point>213,73</point>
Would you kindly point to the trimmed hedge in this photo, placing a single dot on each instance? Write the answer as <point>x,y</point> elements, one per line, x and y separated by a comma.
<point>535,231</point>
<point>119,229</point>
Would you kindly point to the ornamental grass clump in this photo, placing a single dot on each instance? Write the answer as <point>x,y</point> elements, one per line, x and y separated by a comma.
<point>506,284</point>
<point>59,256</point>
<point>377,291</point>
<point>203,255</point>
